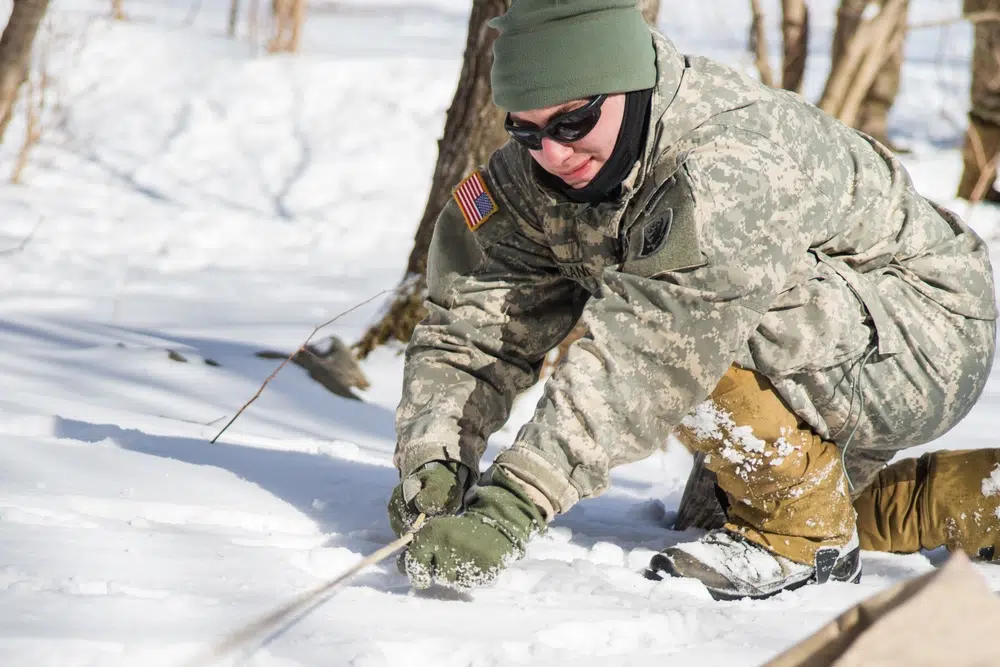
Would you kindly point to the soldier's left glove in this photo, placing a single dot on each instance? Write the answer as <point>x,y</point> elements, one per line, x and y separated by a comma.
<point>471,550</point>
<point>436,489</point>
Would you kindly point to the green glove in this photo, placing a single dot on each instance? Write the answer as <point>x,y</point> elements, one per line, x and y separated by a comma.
<point>436,488</point>
<point>470,550</point>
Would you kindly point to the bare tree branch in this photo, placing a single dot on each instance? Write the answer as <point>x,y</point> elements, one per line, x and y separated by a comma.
<point>758,44</point>
<point>887,30</point>
<point>972,17</point>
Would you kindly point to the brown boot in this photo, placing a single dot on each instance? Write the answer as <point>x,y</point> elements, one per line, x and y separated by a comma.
<point>982,143</point>
<point>946,498</point>
<point>790,522</point>
<point>786,486</point>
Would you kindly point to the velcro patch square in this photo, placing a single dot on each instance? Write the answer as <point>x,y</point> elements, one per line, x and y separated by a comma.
<point>475,201</point>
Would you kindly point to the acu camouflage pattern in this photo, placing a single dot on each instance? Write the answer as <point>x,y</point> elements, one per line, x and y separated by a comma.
<point>755,230</point>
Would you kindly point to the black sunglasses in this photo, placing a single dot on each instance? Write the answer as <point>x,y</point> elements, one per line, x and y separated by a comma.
<point>564,128</point>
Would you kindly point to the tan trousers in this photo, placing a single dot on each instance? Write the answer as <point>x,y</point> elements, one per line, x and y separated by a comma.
<point>946,498</point>
<point>786,486</point>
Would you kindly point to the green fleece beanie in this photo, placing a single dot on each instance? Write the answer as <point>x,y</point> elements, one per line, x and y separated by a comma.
<point>553,51</point>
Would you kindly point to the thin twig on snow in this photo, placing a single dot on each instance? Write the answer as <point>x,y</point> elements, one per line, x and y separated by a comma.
<point>300,349</point>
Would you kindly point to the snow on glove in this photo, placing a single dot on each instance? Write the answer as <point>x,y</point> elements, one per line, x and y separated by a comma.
<point>436,488</point>
<point>471,550</point>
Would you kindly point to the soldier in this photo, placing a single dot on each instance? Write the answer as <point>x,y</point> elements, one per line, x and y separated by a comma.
<point>982,139</point>
<point>753,275</point>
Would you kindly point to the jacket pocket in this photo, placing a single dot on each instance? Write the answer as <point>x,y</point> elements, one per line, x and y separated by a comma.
<point>888,338</point>
<point>817,323</point>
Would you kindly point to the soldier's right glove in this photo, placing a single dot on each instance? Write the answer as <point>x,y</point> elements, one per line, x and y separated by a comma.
<point>435,489</point>
<point>471,550</point>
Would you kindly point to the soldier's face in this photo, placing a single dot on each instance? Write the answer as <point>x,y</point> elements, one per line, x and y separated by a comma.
<point>577,163</point>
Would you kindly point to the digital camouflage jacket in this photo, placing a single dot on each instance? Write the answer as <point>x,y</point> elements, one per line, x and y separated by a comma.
<point>754,230</point>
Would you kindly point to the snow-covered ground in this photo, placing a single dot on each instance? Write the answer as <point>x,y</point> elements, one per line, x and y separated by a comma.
<point>194,199</point>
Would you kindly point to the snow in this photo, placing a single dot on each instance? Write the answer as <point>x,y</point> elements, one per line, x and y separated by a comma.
<point>193,198</point>
<point>991,485</point>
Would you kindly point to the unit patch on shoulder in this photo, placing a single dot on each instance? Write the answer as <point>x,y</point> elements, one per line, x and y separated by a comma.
<point>475,201</point>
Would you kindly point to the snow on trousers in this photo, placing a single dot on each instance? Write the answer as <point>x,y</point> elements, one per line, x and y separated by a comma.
<point>786,485</point>
<point>787,489</point>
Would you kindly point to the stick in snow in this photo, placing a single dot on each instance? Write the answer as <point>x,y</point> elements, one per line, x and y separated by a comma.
<point>291,612</point>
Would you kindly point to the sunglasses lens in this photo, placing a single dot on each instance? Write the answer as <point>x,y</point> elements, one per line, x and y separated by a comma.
<point>529,138</point>
<point>528,135</point>
<point>568,131</point>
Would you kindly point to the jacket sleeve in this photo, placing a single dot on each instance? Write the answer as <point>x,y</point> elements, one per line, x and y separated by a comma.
<point>667,325</point>
<point>497,304</point>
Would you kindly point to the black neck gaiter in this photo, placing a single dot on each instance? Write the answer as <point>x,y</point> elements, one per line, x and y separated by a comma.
<point>606,184</point>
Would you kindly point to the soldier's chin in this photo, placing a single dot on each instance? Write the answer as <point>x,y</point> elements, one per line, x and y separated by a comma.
<point>582,178</point>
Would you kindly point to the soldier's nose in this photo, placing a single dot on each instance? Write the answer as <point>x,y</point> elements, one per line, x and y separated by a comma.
<point>554,152</point>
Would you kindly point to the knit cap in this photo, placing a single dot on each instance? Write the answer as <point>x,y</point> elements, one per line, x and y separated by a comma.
<point>553,51</point>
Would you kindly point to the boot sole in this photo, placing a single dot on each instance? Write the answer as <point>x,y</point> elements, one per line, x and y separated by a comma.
<point>846,570</point>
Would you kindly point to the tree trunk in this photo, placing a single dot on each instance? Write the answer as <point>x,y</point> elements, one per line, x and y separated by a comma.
<point>650,10</point>
<point>795,43</point>
<point>15,53</point>
<point>234,15</point>
<point>473,129</point>
<point>287,17</point>
<point>857,60</point>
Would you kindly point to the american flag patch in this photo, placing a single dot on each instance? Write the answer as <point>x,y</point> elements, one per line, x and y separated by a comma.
<point>475,201</point>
